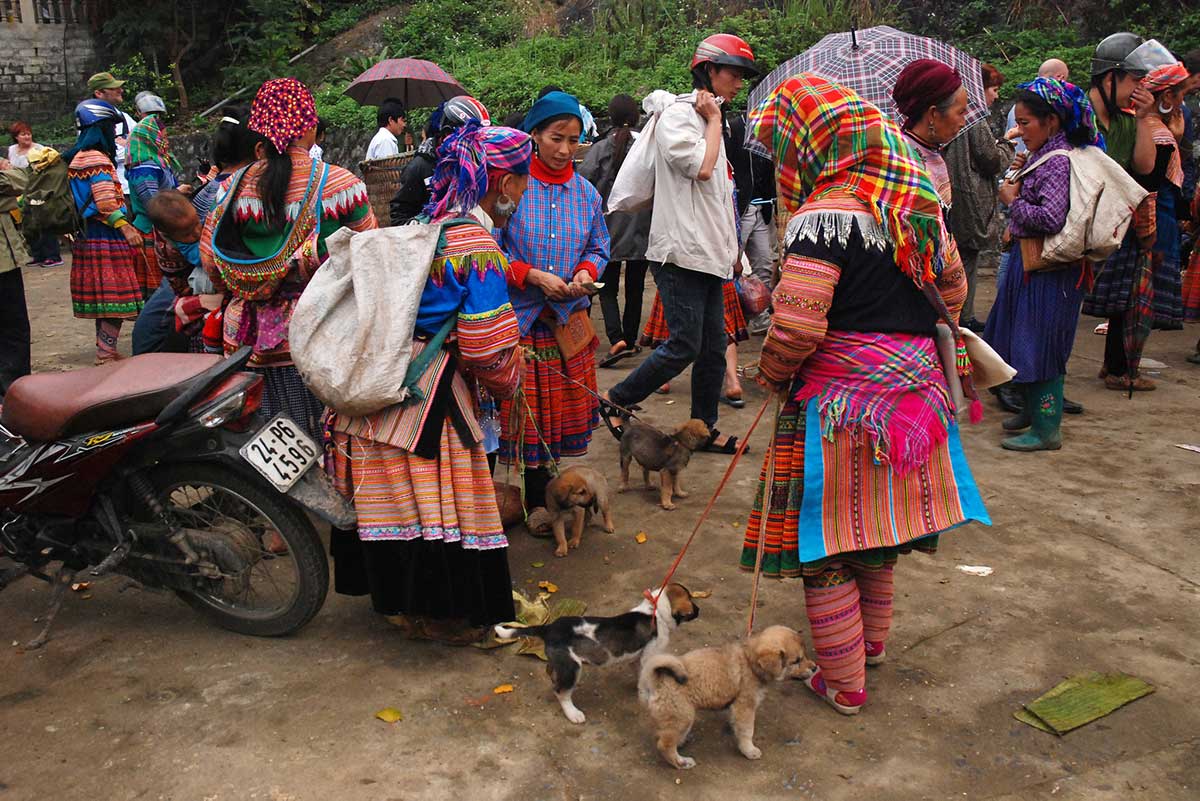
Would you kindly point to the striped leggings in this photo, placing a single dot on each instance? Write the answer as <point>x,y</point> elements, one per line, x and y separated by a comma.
<point>846,606</point>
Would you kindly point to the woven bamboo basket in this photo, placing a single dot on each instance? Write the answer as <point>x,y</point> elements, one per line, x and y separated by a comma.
<point>382,177</point>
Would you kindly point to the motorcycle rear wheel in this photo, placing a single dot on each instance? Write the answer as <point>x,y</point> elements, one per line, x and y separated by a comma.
<point>257,537</point>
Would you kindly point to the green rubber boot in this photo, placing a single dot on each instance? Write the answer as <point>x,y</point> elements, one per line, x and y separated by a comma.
<point>1021,420</point>
<point>1046,405</point>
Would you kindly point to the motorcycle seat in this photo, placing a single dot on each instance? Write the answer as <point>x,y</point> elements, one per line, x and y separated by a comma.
<point>49,406</point>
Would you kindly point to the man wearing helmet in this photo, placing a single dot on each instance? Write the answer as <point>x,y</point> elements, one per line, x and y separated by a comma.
<point>693,240</point>
<point>1116,74</point>
<point>414,191</point>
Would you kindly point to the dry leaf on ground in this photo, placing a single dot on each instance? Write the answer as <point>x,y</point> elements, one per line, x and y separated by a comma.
<point>389,714</point>
<point>641,537</point>
<point>503,688</point>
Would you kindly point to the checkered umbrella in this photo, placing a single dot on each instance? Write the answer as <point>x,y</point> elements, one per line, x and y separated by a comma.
<point>419,83</point>
<point>869,62</point>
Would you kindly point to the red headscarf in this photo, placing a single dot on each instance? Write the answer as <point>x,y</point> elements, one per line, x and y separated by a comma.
<point>924,83</point>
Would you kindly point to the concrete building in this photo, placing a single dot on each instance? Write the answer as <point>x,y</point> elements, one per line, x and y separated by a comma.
<point>48,51</point>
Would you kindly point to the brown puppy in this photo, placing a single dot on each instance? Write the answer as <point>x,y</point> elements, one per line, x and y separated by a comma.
<point>575,494</point>
<point>732,677</point>
<point>668,454</point>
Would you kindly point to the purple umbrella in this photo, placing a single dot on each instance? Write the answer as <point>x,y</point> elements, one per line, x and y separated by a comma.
<point>416,82</point>
<point>869,62</point>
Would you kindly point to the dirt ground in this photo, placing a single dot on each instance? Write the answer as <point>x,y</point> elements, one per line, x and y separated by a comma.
<point>1097,567</point>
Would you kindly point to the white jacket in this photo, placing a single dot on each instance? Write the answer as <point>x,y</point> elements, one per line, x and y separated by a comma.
<point>693,223</point>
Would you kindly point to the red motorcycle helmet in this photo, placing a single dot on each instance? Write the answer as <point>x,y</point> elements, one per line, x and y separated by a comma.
<point>726,50</point>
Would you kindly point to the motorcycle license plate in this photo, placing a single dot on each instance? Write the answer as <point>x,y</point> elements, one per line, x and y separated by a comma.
<point>281,452</point>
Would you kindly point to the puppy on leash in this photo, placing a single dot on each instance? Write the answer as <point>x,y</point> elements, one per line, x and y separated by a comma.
<point>669,454</point>
<point>732,677</point>
<point>572,642</point>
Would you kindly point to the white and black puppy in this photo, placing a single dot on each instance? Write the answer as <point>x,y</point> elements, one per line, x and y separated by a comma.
<point>572,642</point>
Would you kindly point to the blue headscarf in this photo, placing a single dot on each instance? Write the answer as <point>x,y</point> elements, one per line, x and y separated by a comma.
<point>552,104</point>
<point>1070,104</point>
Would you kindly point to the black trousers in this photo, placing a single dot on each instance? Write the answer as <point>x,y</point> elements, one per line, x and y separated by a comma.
<point>14,329</point>
<point>617,325</point>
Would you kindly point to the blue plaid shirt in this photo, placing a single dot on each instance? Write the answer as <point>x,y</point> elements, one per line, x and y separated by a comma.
<point>557,227</point>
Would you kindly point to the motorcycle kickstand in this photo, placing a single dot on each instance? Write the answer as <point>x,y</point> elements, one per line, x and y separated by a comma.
<point>124,541</point>
<point>62,582</point>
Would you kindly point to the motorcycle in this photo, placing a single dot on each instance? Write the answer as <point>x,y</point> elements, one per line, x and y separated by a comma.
<point>160,468</point>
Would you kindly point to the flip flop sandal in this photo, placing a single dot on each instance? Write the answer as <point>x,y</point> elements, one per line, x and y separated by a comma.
<point>607,412</point>
<point>611,359</point>
<point>850,703</point>
<point>729,448</point>
<point>737,403</point>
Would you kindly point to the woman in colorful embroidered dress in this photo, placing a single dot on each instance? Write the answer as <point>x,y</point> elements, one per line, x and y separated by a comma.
<point>104,283</point>
<point>430,548</point>
<point>933,101</point>
<point>1167,80</point>
<point>867,458</point>
<point>1032,324</point>
<point>556,242</point>
<point>150,168</point>
<point>266,237</point>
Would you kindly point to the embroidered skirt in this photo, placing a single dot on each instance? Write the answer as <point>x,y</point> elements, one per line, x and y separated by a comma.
<point>430,533</point>
<point>1168,282</point>
<point>655,332</point>
<point>1191,289</point>
<point>1117,279</point>
<point>104,283</point>
<point>561,414</point>
<point>831,502</point>
<point>1032,323</point>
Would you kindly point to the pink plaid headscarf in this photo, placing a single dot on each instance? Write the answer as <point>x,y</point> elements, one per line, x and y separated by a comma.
<point>283,109</point>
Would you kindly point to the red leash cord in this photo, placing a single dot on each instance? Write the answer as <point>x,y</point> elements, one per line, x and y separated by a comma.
<point>653,597</point>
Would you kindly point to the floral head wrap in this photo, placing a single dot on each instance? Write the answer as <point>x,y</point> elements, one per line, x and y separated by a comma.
<point>1069,103</point>
<point>824,137</point>
<point>1165,77</point>
<point>283,109</point>
<point>468,159</point>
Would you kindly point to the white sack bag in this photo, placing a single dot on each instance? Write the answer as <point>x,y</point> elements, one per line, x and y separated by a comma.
<point>352,328</point>
<point>633,188</point>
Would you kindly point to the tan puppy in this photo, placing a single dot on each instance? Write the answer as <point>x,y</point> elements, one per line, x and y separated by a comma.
<point>668,454</point>
<point>732,677</point>
<point>574,495</point>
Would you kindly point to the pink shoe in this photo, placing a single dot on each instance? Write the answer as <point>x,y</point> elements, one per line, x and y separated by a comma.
<point>876,653</point>
<point>848,703</point>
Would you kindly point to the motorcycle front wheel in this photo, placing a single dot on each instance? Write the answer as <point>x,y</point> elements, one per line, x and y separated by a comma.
<point>273,571</point>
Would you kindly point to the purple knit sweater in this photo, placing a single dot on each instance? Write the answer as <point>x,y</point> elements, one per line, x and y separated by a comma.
<point>1045,197</point>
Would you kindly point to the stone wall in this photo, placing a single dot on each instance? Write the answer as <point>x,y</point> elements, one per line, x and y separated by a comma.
<point>343,146</point>
<point>45,64</point>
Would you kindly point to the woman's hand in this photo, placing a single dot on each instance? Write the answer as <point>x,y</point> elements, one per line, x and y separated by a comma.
<point>132,235</point>
<point>1009,191</point>
<point>551,285</point>
<point>580,283</point>
<point>1012,133</point>
<point>1143,102</point>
